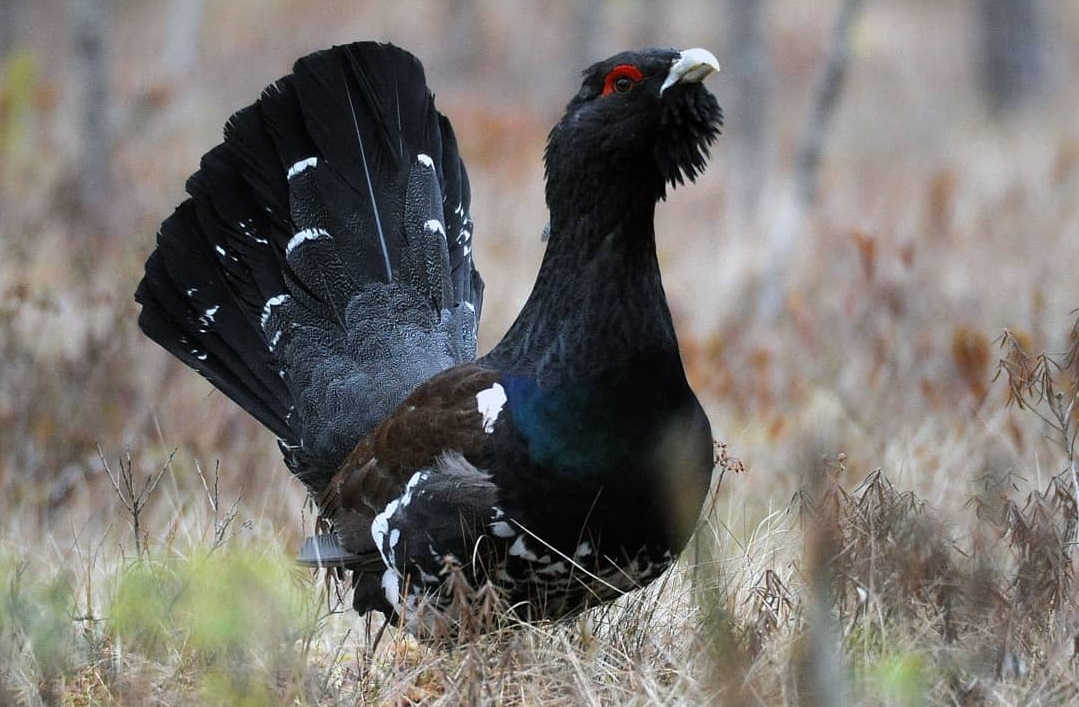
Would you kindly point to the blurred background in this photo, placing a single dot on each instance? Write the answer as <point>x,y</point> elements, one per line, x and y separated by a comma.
<point>896,184</point>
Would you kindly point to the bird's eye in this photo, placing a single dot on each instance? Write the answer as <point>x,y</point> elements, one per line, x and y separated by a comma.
<point>621,79</point>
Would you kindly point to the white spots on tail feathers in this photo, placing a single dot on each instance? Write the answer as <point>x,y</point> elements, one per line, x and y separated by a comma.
<point>301,166</point>
<point>274,301</point>
<point>206,319</point>
<point>489,402</point>
<point>225,253</point>
<point>464,234</point>
<point>247,227</point>
<point>191,292</point>
<point>425,161</point>
<point>308,234</point>
<point>583,550</point>
<point>386,539</point>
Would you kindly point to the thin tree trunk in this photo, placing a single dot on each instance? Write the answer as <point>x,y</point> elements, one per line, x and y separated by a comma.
<point>1012,52</point>
<point>13,22</point>
<point>801,195</point>
<point>749,72</point>
<point>181,51</point>
<point>588,22</point>
<point>91,44</point>
<point>829,88</point>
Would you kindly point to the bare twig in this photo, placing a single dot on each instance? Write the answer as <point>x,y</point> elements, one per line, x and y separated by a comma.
<point>133,496</point>
<point>221,523</point>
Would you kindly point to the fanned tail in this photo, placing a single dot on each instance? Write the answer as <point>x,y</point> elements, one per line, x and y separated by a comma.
<point>322,266</point>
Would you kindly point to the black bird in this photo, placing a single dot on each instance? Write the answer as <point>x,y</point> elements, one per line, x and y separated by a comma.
<point>321,276</point>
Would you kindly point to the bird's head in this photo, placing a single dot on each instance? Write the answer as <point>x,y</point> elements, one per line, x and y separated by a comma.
<point>641,119</point>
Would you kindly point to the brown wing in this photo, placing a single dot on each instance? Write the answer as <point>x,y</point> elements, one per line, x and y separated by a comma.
<point>441,415</point>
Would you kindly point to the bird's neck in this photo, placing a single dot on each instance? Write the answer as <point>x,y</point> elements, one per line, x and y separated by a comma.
<point>598,302</point>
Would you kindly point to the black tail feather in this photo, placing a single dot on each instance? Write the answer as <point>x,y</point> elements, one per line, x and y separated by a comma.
<point>334,214</point>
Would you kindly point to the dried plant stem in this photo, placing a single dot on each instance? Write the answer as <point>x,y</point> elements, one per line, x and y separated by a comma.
<point>133,496</point>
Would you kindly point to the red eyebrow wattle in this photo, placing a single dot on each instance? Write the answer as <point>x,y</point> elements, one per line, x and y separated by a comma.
<point>621,71</point>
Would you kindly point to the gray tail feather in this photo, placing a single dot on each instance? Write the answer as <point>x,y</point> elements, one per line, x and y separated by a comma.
<point>322,266</point>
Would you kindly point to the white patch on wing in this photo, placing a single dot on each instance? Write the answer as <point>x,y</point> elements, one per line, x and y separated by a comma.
<point>425,161</point>
<point>489,402</point>
<point>308,234</point>
<point>301,166</point>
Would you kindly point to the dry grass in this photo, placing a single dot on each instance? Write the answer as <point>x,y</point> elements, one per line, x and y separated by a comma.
<point>899,530</point>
